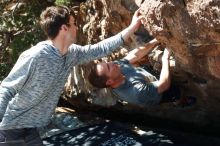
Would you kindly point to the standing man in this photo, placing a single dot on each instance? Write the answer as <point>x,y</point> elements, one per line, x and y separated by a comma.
<point>30,93</point>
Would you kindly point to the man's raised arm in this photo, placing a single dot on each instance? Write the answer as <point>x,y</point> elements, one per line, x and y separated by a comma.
<point>138,53</point>
<point>164,82</point>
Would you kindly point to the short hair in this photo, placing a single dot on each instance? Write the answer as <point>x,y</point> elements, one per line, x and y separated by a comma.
<point>53,18</point>
<point>98,81</point>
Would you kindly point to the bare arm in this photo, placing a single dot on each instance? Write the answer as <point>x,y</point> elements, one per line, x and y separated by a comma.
<point>138,53</point>
<point>134,25</point>
<point>164,82</point>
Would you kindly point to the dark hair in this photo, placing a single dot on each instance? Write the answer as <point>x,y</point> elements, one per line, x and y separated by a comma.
<point>96,80</point>
<point>53,18</point>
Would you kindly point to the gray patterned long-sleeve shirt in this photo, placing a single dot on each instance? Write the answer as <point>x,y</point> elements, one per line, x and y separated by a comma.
<point>30,93</point>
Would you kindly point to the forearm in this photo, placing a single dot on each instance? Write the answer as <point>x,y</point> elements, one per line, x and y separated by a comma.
<point>138,53</point>
<point>164,81</point>
<point>127,32</point>
<point>142,51</point>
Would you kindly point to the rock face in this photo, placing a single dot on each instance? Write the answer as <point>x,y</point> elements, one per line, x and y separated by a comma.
<point>191,28</point>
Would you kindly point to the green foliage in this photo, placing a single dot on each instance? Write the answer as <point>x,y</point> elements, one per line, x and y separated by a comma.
<point>22,25</point>
<point>19,22</point>
<point>24,41</point>
<point>63,2</point>
<point>4,68</point>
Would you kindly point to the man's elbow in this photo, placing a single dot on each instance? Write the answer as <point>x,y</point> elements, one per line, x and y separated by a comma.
<point>163,87</point>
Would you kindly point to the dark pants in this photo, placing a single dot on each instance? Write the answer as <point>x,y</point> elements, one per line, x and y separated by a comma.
<point>20,137</point>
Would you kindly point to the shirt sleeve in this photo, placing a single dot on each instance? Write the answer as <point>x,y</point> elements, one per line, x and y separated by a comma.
<point>83,54</point>
<point>14,81</point>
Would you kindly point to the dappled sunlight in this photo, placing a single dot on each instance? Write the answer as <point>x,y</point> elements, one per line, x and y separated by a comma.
<point>108,134</point>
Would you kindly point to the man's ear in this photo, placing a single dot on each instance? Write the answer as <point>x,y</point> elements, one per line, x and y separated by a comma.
<point>109,82</point>
<point>64,27</point>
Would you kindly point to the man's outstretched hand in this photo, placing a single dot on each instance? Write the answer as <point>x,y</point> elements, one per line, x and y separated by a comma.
<point>136,20</point>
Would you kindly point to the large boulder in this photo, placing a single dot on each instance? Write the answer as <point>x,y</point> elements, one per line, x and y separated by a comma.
<point>191,29</point>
